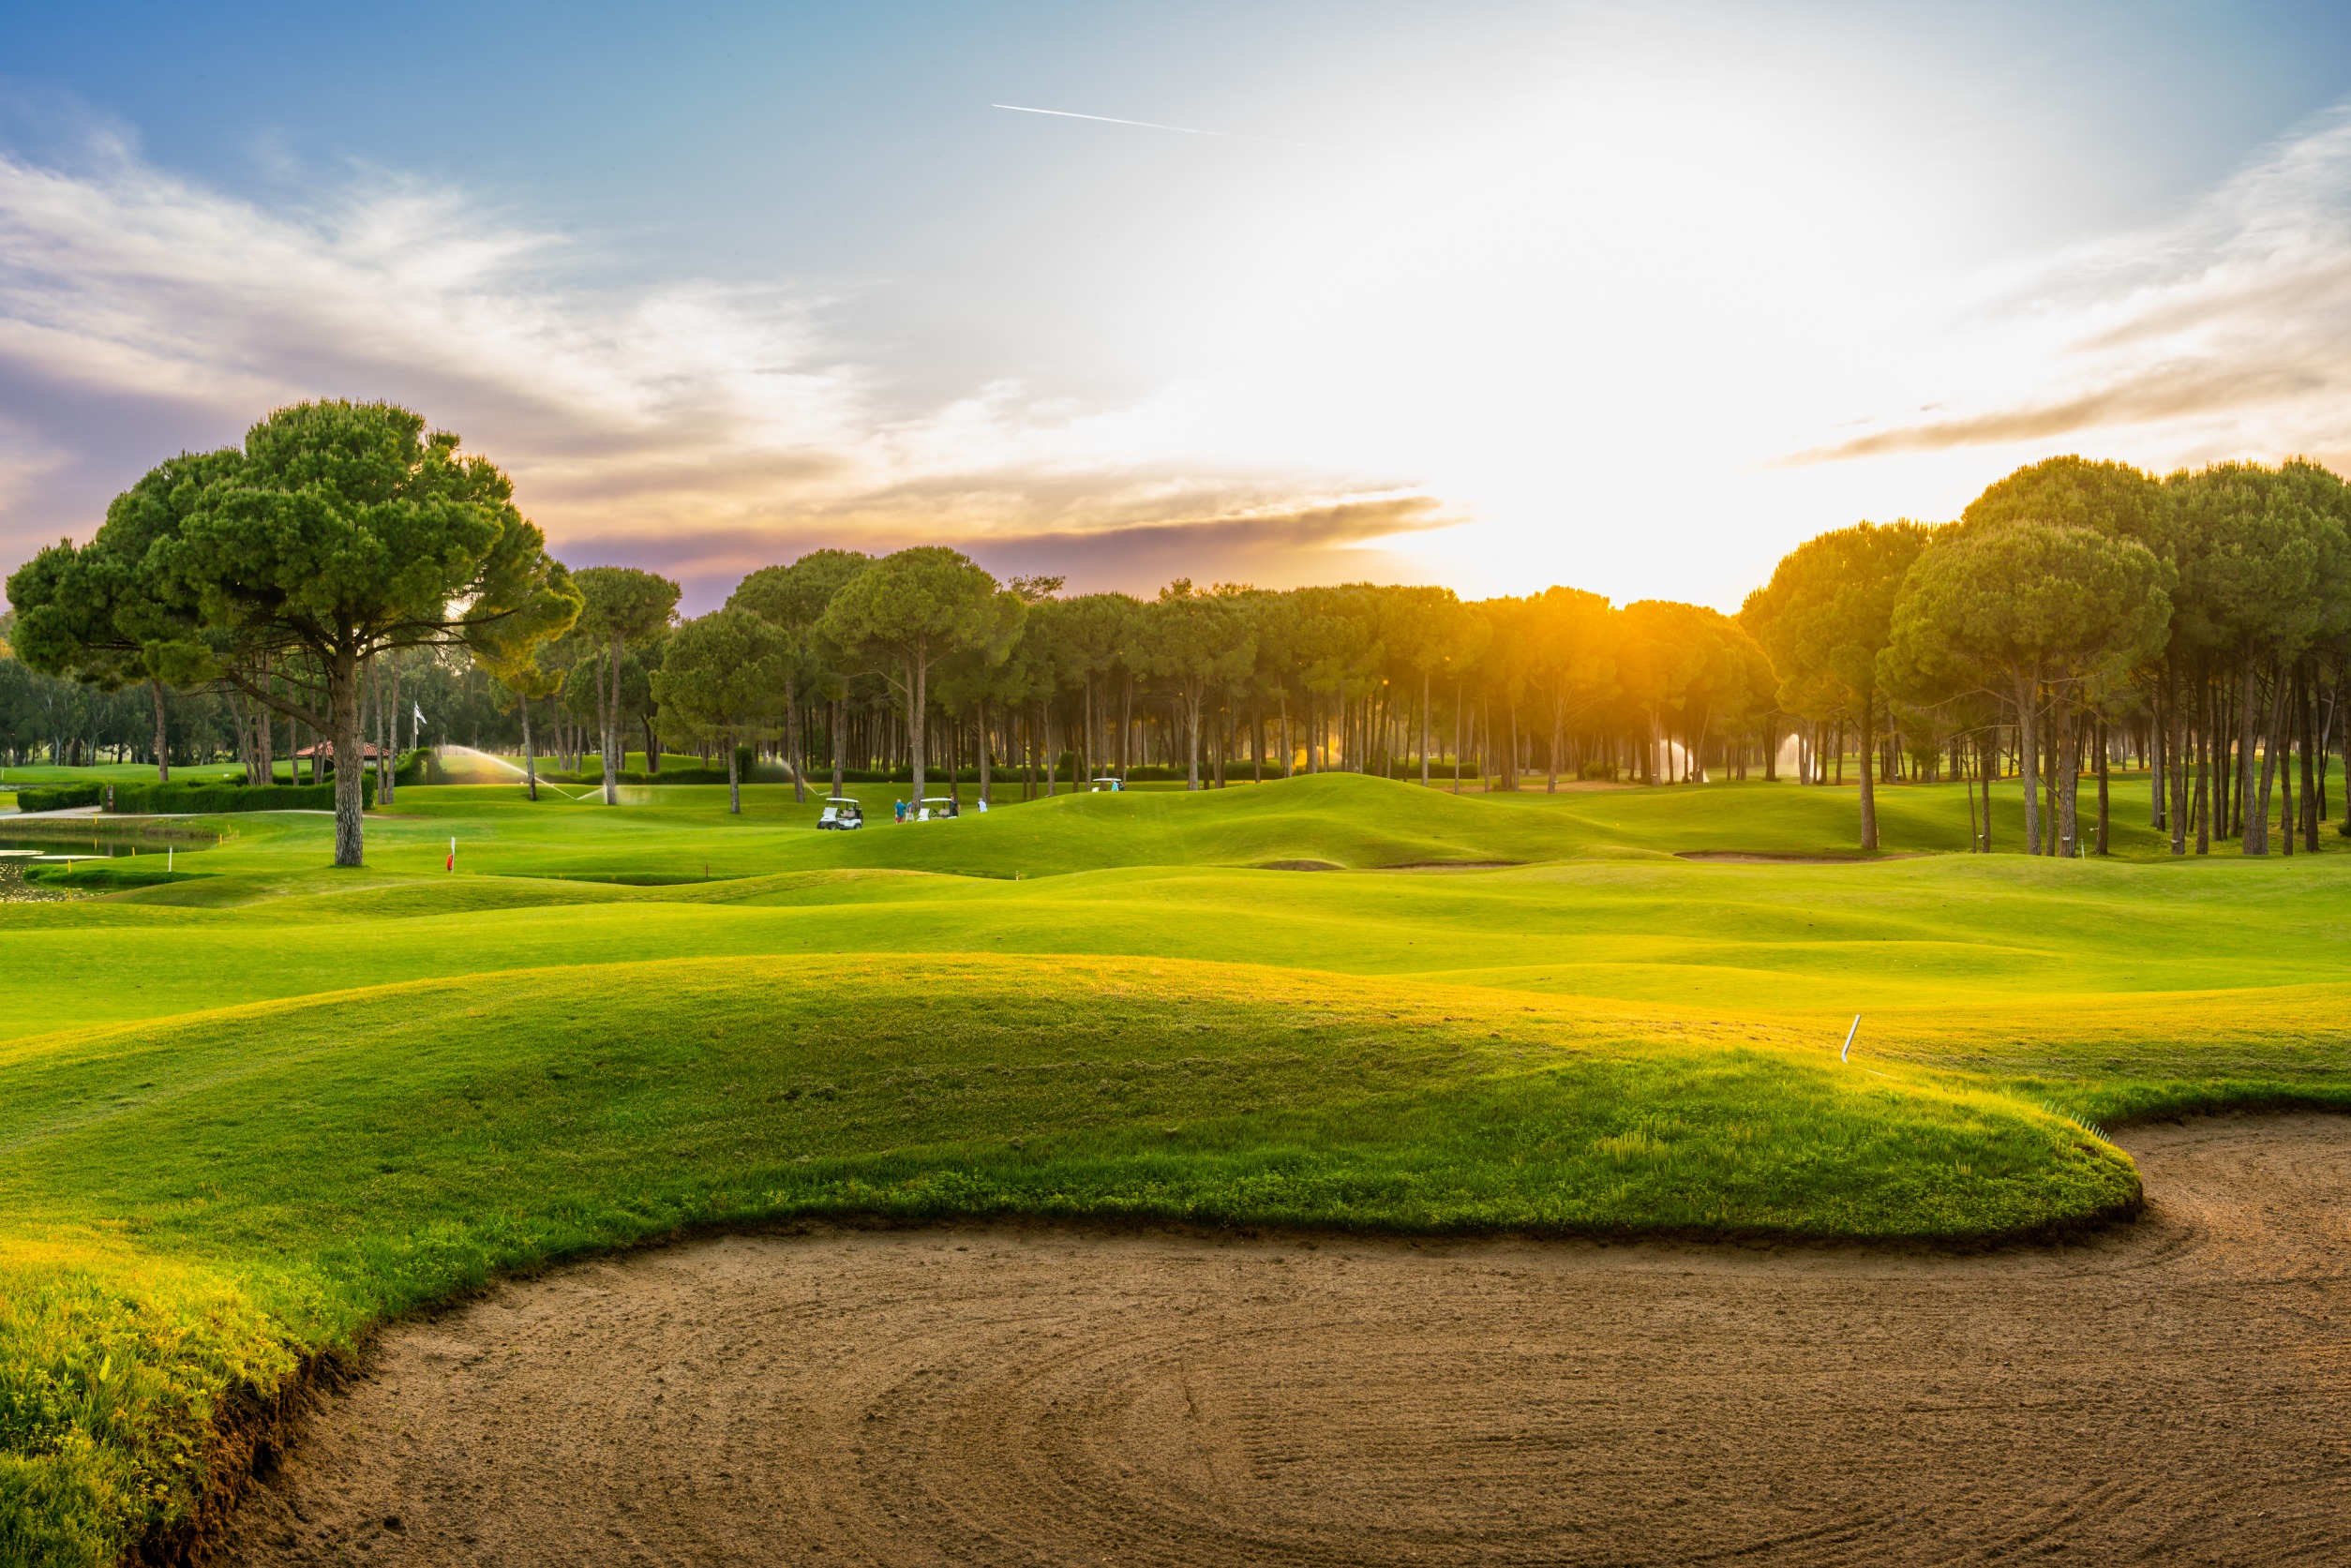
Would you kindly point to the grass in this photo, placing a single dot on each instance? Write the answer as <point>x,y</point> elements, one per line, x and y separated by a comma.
<point>247,1115</point>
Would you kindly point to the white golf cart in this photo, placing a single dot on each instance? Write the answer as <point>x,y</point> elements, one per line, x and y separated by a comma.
<point>840,812</point>
<point>1113,785</point>
<point>938,808</point>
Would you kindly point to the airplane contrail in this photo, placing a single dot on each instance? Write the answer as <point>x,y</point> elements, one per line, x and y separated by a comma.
<point>1143,124</point>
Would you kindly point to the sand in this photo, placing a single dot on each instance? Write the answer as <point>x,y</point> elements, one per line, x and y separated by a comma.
<point>2175,1390</point>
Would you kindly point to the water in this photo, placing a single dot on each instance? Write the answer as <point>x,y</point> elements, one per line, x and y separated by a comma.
<point>469,760</point>
<point>18,853</point>
<point>24,848</point>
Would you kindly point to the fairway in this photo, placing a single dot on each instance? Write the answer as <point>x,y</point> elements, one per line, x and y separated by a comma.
<point>260,1107</point>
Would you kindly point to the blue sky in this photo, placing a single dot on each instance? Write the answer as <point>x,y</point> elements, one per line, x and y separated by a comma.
<point>1631,297</point>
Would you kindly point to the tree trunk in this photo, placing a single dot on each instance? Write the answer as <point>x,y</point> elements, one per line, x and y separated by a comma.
<point>2284,704</point>
<point>1868,775</point>
<point>1975,834</point>
<point>264,728</point>
<point>1460,705</point>
<point>612,729</point>
<point>162,738</point>
<point>2103,800</point>
<point>918,697</point>
<point>734,777</point>
<point>392,784</point>
<point>2201,743</point>
<point>2027,695</point>
<point>2066,768</point>
<point>837,745</point>
<point>1559,727</point>
<point>2178,809</point>
<point>981,707</point>
<point>1192,701</point>
<point>2248,740</point>
<point>1424,729</point>
<point>530,759</point>
<point>2330,713</point>
<point>2258,808</point>
<point>375,725</point>
<point>1988,767</point>
<point>342,676</point>
<point>791,738</point>
<point>2305,699</point>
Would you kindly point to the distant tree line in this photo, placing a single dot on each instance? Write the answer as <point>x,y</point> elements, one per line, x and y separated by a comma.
<point>2079,614</point>
<point>346,567</point>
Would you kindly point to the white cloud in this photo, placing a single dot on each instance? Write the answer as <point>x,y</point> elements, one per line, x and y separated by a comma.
<point>673,412</point>
<point>2223,333</point>
<point>1596,318</point>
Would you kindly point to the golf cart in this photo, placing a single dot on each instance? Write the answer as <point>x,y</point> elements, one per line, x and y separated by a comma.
<point>1114,786</point>
<point>840,812</point>
<point>938,808</point>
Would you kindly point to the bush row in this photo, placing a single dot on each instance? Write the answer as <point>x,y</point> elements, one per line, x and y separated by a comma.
<point>163,799</point>
<point>59,797</point>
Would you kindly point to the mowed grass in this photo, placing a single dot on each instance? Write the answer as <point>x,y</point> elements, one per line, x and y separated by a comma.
<point>194,1205</point>
<point>248,1115</point>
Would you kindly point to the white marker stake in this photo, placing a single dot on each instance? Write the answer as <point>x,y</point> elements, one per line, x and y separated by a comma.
<point>1843,1055</point>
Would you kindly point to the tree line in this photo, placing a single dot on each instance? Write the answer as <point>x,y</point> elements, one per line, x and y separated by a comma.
<point>2078,615</point>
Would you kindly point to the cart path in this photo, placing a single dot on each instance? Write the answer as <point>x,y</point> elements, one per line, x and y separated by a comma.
<point>2180,1391</point>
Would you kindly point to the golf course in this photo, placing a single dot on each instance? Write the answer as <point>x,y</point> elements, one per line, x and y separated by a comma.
<point>259,1107</point>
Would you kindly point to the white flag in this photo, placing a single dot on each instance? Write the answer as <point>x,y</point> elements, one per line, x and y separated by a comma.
<point>420,713</point>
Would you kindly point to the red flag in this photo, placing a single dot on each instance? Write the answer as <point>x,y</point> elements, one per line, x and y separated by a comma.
<point>453,854</point>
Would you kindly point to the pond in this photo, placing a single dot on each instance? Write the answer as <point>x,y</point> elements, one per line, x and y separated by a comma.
<point>18,853</point>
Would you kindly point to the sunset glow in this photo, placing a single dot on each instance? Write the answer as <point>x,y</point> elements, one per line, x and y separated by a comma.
<point>1631,298</point>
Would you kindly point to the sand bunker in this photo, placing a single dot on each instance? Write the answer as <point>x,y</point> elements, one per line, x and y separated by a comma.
<point>2180,1391</point>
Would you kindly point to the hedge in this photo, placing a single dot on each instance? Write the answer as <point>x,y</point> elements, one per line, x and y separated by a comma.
<point>160,800</point>
<point>58,798</point>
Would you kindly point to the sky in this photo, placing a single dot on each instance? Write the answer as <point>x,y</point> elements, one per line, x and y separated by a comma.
<point>1632,297</point>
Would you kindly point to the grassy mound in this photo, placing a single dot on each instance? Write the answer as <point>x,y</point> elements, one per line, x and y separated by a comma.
<point>1343,819</point>
<point>193,1205</point>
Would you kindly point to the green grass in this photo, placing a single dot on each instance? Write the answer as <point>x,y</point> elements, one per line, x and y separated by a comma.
<point>248,1115</point>
<point>137,772</point>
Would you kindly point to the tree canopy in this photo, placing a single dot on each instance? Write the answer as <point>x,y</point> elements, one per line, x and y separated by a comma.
<point>914,608</point>
<point>1823,619</point>
<point>723,675</point>
<point>336,531</point>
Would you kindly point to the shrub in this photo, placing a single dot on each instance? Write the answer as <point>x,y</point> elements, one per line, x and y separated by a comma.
<point>418,767</point>
<point>58,798</point>
<point>153,800</point>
